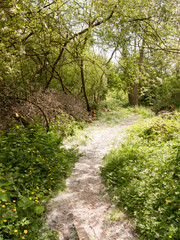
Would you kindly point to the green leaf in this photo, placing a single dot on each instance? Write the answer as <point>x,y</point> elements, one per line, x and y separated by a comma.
<point>21,204</point>
<point>39,209</point>
<point>25,202</point>
<point>4,197</point>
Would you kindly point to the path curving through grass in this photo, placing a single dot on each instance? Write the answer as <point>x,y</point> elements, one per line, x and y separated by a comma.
<point>83,211</point>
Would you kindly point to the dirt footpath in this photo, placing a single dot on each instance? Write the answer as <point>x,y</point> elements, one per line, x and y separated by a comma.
<point>83,211</point>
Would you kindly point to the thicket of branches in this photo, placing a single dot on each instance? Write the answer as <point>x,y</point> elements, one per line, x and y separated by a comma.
<point>84,48</point>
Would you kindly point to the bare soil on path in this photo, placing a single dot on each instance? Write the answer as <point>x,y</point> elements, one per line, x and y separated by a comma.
<point>83,211</point>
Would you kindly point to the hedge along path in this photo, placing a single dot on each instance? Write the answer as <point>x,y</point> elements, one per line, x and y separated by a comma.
<point>83,211</point>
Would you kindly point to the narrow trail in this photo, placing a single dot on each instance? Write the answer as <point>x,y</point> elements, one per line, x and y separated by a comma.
<point>83,211</point>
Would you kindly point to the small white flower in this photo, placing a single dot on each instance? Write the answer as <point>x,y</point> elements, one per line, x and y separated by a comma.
<point>19,31</point>
<point>5,29</point>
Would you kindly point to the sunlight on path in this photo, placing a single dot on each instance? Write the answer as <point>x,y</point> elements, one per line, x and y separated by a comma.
<point>83,211</point>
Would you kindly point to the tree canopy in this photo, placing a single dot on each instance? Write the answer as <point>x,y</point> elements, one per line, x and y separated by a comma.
<point>70,46</point>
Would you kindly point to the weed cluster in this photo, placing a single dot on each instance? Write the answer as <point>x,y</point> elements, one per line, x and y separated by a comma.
<point>142,176</point>
<point>32,166</point>
<point>66,125</point>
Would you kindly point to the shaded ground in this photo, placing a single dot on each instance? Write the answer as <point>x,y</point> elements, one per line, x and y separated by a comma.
<point>83,211</point>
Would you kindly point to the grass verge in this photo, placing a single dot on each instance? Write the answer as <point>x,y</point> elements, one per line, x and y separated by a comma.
<point>142,176</point>
<point>32,167</point>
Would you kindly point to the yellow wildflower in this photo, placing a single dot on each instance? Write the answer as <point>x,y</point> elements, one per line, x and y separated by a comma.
<point>15,230</point>
<point>25,231</point>
<point>3,206</point>
<point>5,220</point>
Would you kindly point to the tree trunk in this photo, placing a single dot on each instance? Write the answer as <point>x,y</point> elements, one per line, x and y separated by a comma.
<point>136,84</point>
<point>84,86</point>
<point>54,65</point>
<point>130,94</point>
<point>136,94</point>
<point>178,64</point>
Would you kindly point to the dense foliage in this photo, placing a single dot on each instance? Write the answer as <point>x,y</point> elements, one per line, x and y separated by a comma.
<point>32,166</point>
<point>86,47</point>
<point>143,176</point>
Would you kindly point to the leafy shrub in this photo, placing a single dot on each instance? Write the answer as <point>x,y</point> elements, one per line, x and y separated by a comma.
<point>143,177</point>
<point>163,129</point>
<point>141,111</point>
<point>32,166</point>
<point>65,125</point>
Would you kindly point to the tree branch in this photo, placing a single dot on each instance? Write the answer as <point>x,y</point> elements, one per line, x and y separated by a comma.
<point>35,104</point>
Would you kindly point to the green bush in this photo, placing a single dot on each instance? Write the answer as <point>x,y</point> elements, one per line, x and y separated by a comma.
<point>143,177</point>
<point>32,167</point>
<point>161,129</point>
<point>65,125</point>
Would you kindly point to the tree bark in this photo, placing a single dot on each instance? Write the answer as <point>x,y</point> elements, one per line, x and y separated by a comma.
<point>54,65</point>
<point>35,104</point>
<point>136,84</point>
<point>130,94</point>
<point>84,86</point>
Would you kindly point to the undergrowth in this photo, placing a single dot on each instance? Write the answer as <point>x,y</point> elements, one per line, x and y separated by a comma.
<point>119,110</point>
<point>142,176</point>
<point>32,167</point>
<point>113,117</point>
